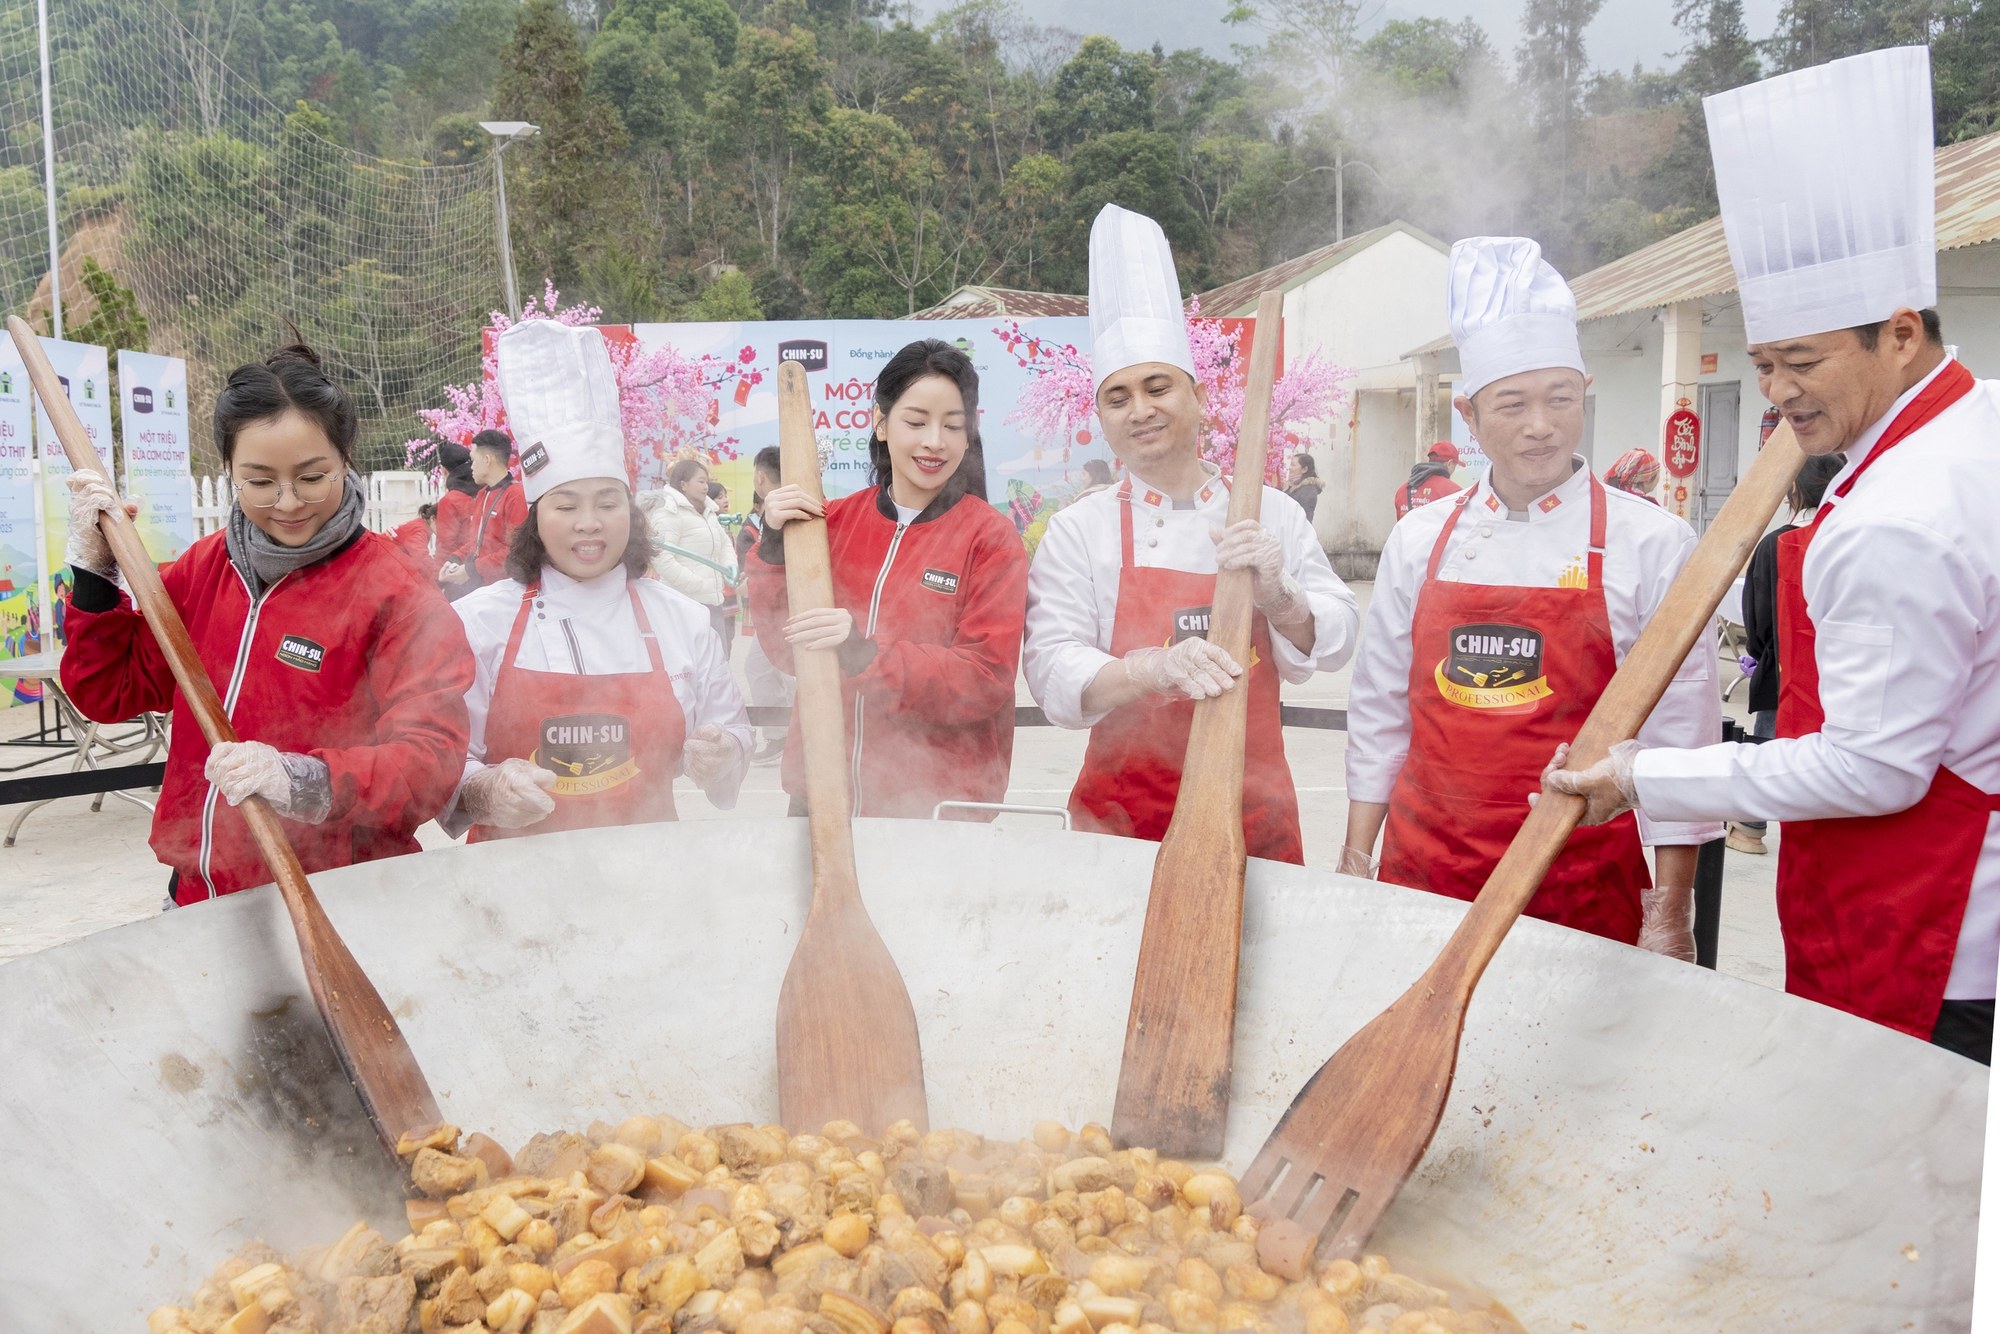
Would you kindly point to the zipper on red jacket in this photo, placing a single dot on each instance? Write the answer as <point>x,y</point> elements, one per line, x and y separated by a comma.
<point>874,610</point>
<point>236,676</point>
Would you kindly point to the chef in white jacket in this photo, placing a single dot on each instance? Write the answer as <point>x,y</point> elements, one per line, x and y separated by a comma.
<point>593,686</point>
<point>1887,762</point>
<point>1499,616</point>
<point>1120,589</point>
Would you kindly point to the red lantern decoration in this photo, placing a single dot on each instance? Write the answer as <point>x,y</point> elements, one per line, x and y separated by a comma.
<point>1682,447</point>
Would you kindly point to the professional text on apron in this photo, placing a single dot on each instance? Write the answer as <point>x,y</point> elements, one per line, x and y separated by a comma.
<point>613,741</point>
<point>1499,677</point>
<point>1871,905</point>
<point>1132,766</point>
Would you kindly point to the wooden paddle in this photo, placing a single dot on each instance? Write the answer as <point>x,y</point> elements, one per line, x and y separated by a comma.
<point>1342,1151</point>
<point>847,1033</point>
<point>1173,1085</point>
<point>371,1047</point>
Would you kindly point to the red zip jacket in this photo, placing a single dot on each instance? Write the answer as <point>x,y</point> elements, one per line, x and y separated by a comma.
<point>414,538</point>
<point>355,660</point>
<point>928,679</point>
<point>457,512</point>
<point>490,522</point>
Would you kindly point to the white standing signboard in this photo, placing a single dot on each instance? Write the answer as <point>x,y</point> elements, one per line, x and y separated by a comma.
<point>152,391</point>
<point>21,591</point>
<point>85,373</point>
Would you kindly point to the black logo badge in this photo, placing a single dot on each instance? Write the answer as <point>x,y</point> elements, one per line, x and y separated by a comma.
<point>1191,623</point>
<point>142,398</point>
<point>1493,666</point>
<point>808,352</point>
<point>298,651</point>
<point>941,581</point>
<point>534,459</point>
<point>589,752</point>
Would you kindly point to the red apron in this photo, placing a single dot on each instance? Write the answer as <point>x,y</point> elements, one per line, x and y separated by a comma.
<point>1132,766</point>
<point>1871,904</point>
<point>612,740</point>
<point>1499,677</point>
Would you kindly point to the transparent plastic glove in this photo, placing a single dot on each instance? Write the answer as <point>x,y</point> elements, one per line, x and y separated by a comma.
<point>1193,668</point>
<point>508,795</point>
<point>1608,786</point>
<point>710,753</point>
<point>823,627</point>
<point>299,787</point>
<point>1251,546</point>
<point>89,496</point>
<point>1355,862</point>
<point>1667,922</point>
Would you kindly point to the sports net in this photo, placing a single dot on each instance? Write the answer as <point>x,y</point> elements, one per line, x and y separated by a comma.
<point>227,214</point>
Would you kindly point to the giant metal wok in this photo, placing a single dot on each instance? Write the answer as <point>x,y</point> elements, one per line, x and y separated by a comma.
<point>1631,1143</point>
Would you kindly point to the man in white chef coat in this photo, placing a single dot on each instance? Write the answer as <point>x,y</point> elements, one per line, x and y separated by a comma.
<point>1498,618</point>
<point>1121,586</point>
<point>1887,760</point>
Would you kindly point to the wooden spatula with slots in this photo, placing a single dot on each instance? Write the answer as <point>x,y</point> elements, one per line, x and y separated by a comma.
<point>847,1033</point>
<point>1343,1149</point>
<point>1173,1085</point>
<point>371,1047</point>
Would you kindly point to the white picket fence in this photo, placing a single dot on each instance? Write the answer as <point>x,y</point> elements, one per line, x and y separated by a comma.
<point>393,498</point>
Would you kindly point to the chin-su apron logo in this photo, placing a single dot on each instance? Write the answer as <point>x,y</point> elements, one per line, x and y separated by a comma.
<point>1191,623</point>
<point>1493,667</point>
<point>589,752</point>
<point>298,651</point>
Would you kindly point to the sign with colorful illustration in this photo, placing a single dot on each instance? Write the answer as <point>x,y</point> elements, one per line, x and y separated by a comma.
<point>153,393</point>
<point>85,373</point>
<point>20,554</point>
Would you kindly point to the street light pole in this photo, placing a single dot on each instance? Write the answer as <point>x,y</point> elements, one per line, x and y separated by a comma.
<point>504,133</point>
<point>49,175</point>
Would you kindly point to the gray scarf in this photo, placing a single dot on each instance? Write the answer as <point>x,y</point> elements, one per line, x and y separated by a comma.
<point>263,560</point>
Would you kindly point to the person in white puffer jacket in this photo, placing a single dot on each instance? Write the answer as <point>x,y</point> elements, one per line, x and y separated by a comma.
<point>682,516</point>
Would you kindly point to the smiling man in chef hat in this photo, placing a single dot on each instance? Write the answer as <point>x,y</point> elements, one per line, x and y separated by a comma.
<point>1120,590</point>
<point>594,686</point>
<point>1887,765</point>
<point>1498,618</point>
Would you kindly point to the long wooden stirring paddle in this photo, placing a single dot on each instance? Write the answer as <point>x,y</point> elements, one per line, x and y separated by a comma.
<point>1343,1149</point>
<point>1173,1085</point>
<point>847,1033</point>
<point>371,1047</point>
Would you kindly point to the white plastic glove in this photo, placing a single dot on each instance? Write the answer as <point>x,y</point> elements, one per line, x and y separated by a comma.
<point>508,795</point>
<point>89,496</point>
<point>1194,668</point>
<point>299,787</point>
<point>1667,924</point>
<point>1355,862</point>
<point>823,627</point>
<point>1608,787</point>
<point>786,503</point>
<point>710,753</point>
<point>1251,546</point>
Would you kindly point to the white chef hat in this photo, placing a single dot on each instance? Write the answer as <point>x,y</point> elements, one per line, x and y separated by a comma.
<point>1135,296</point>
<point>562,404</point>
<point>1829,193</point>
<point>1510,311</point>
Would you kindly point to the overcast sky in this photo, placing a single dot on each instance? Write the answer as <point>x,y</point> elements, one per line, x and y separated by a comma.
<point>1624,31</point>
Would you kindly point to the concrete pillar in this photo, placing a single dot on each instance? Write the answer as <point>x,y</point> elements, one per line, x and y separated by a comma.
<point>1680,371</point>
<point>1427,366</point>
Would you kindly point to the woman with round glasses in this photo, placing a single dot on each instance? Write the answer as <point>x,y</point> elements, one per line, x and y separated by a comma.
<point>339,661</point>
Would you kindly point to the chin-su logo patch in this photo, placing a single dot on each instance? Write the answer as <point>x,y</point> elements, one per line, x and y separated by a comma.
<point>300,652</point>
<point>1191,623</point>
<point>1493,666</point>
<point>590,753</point>
<point>941,581</point>
<point>533,459</point>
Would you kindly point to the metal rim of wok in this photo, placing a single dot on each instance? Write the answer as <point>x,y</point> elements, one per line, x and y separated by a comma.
<point>1630,1142</point>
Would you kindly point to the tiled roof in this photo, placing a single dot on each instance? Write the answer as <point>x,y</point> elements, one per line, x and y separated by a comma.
<point>1695,263</point>
<point>980,303</point>
<point>1240,297</point>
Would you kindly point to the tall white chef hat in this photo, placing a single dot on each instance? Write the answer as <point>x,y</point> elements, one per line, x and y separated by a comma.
<point>1510,311</point>
<point>562,404</point>
<point>1829,193</point>
<point>1135,296</point>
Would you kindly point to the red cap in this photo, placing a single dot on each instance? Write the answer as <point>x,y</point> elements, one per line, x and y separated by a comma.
<point>1447,451</point>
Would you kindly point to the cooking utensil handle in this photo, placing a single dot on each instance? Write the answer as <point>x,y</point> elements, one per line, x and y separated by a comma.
<point>1624,706</point>
<point>808,587</point>
<point>1001,808</point>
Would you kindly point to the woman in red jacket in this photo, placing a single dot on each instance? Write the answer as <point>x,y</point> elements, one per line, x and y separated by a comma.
<point>930,591</point>
<point>340,664</point>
